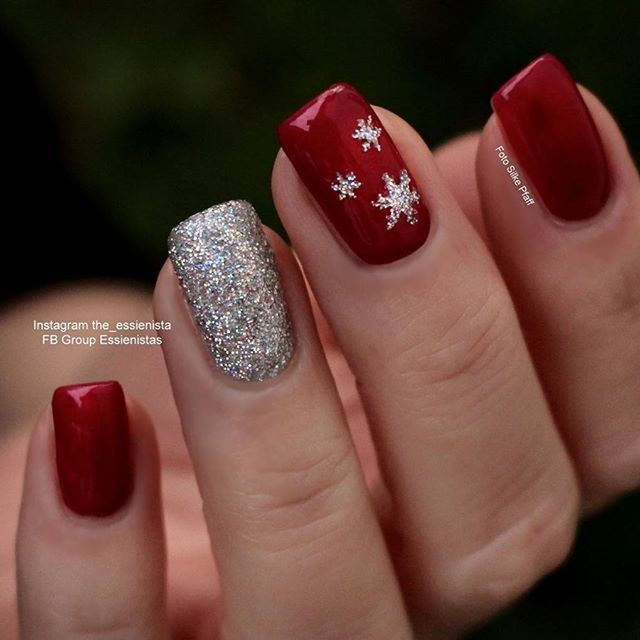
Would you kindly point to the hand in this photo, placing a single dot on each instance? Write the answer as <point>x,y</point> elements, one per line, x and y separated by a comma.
<point>498,378</point>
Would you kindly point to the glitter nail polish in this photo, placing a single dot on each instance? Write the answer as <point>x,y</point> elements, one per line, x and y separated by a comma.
<point>227,271</point>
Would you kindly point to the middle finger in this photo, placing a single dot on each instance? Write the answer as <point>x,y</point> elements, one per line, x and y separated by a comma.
<point>484,494</point>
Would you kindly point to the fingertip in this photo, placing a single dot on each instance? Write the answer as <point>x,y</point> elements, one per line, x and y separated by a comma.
<point>76,540</point>
<point>52,454</point>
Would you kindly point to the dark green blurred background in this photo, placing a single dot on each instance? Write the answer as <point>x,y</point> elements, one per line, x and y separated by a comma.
<point>122,118</point>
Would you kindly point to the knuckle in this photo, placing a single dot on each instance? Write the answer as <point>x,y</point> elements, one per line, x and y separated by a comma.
<point>493,576</point>
<point>471,342</point>
<point>536,545</point>
<point>302,499</point>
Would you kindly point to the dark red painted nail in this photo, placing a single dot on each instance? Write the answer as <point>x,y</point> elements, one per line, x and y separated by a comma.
<point>92,447</point>
<point>350,165</point>
<point>554,138</point>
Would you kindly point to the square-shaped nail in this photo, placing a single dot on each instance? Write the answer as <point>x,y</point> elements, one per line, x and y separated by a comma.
<point>227,271</point>
<point>553,137</point>
<point>350,165</point>
<point>92,447</point>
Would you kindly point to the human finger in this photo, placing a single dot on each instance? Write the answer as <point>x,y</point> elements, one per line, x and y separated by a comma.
<point>90,544</point>
<point>296,541</point>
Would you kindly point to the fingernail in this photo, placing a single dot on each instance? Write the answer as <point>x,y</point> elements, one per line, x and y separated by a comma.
<point>348,162</point>
<point>92,447</point>
<point>553,137</point>
<point>228,274</point>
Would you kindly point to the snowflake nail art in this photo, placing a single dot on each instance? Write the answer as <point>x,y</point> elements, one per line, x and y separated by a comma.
<point>399,200</point>
<point>346,185</point>
<point>372,205</point>
<point>367,133</point>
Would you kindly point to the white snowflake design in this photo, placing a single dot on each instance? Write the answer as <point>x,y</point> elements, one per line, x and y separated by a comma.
<point>399,200</point>
<point>346,185</point>
<point>367,133</point>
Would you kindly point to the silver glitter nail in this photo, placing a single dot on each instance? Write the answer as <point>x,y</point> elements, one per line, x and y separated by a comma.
<point>228,274</point>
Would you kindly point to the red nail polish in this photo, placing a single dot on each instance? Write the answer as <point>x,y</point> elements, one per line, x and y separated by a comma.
<point>92,447</point>
<point>350,165</point>
<point>551,132</point>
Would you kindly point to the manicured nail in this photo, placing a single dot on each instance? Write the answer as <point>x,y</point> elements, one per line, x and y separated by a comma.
<point>553,137</point>
<point>228,274</point>
<point>350,165</point>
<point>92,447</point>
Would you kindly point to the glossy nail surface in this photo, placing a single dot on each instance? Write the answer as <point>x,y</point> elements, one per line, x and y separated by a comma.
<point>551,133</point>
<point>227,271</point>
<point>92,447</point>
<point>349,163</point>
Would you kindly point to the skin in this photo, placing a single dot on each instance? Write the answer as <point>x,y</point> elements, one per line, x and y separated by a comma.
<point>501,404</point>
